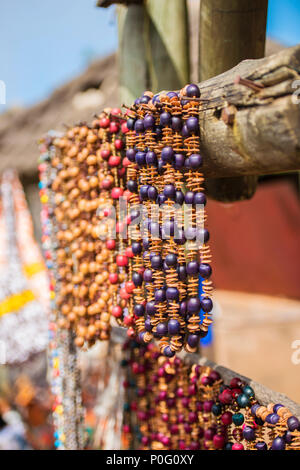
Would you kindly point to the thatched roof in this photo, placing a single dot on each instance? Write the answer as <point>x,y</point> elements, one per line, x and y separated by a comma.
<point>77,100</point>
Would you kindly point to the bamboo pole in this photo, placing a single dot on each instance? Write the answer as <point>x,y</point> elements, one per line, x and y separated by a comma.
<point>230,31</point>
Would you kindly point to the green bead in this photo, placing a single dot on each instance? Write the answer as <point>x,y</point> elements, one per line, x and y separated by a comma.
<point>126,406</point>
<point>247,390</point>
<point>238,419</point>
<point>243,401</point>
<point>216,409</point>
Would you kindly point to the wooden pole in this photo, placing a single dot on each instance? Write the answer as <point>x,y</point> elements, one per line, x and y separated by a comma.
<point>167,44</point>
<point>230,31</point>
<point>133,73</point>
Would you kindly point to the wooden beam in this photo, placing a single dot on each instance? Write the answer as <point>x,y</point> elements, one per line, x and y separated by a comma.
<point>252,130</point>
<point>230,31</point>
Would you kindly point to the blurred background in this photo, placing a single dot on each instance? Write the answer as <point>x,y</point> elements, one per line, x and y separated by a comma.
<point>58,62</point>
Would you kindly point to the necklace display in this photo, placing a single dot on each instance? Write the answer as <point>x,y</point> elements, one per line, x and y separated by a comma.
<point>169,254</point>
<point>87,182</point>
<point>179,405</point>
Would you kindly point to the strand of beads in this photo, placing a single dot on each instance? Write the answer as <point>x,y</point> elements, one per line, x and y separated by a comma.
<point>178,405</point>
<point>163,147</point>
<point>88,182</point>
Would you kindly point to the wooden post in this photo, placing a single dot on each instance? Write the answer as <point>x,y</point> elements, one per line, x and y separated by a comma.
<point>167,44</point>
<point>153,47</point>
<point>133,73</point>
<point>230,31</point>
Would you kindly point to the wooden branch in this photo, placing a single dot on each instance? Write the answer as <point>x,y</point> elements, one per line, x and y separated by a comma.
<point>230,31</point>
<point>246,131</point>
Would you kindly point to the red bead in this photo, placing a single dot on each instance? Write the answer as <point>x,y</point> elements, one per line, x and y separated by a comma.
<point>127,194</point>
<point>111,244</point>
<point>126,428</point>
<point>116,311</point>
<point>104,122</point>
<point>107,212</point>
<point>119,144</point>
<point>134,365</point>
<point>115,112</point>
<point>129,287</point>
<point>124,128</point>
<point>235,382</point>
<point>122,260</point>
<point>114,127</point>
<point>120,227</point>
<point>126,162</point>
<point>106,183</point>
<point>128,321</point>
<point>237,446</point>
<point>123,294</point>
<point>130,332</point>
<point>218,441</point>
<point>113,278</point>
<point>114,160</point>
<point>225,397</point>
<point>128,252</point>
<point>105,154</point>
<point>121,171</point>
<point>116,193</point>
<point>128,219</point>
<point>226,418</point>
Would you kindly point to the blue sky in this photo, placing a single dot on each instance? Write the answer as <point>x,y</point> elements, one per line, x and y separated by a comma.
<point>44,43</point>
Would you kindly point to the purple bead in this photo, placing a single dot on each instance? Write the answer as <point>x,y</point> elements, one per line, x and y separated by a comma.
<point>146,243</point>
<point>192,267</point>
<point>167,154</point>
<point>185,131</point>
<point>144,192</point>
<point>193,91</point>
<point>248,433</point>
<point>192,124</point>
<point>293,423</point>
<point>205,270</point>
<point>181,271</point>
<point>272,418</point>
<point>179,161</point>
<point>148,275</point>
<point>148,325</point>
<point>161,199</point>
<point>152,193</point>
<point>179,197</point>
<point>193,305</point>
<point>149,121</point>
<point>139,125</point>
<point>171,259</point>
<point>183,307</point>
<point>156,262</point>
<point>136,248</point>
<point>173,327</point>
<point>150,308</point>
<point>130,154</point>
<point>200,198</point>
<point>140,158</point>
<point>132,186</point>
<point>278,444</point>
<point>168,352</point>
<point>189,197</point>
<point>203,235</point>
<point>176,123</point>
<point>139,310</point>
<point>168,229</point>
<point>261,446</point>
<point>172,293</point>
<point>141,336</point>
<point>160,295</point>
<point>195,161</point>
<point>193,341</point>
<point>130,124</point>
<point>276,407</point>
<point>206,304</point>
<point>165,119</point>
<point>137,279</point>
<point>288,437</point>
<point>145,99</point>
<point>151,158</point>
<point>172,94</point>
<point>170,191</point>
<point>162,329</point>
<point>191,233</point>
